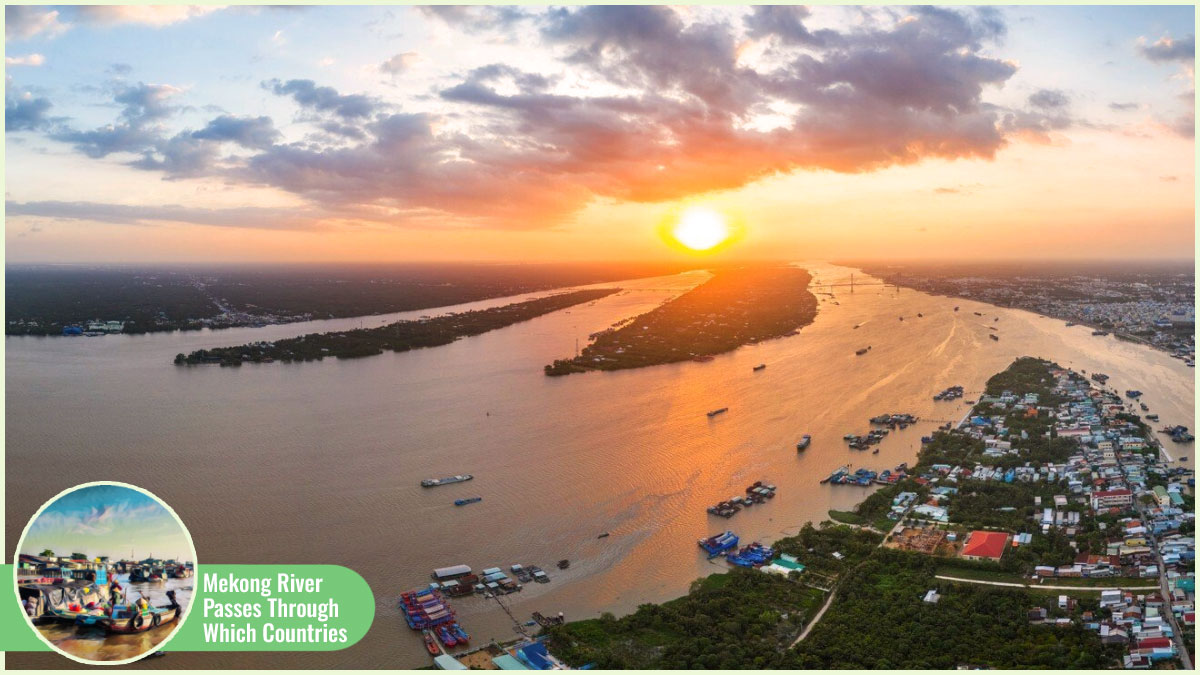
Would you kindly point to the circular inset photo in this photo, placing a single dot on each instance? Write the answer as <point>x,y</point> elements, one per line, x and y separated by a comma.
<point>105,573</point>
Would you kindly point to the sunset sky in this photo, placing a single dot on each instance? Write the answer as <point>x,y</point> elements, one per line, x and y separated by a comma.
<point>107,520</point>
<point>147,134</point>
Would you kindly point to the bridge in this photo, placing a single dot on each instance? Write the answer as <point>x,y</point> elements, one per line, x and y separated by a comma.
<point>852,284</point>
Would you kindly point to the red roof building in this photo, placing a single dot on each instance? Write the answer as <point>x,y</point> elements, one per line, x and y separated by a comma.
<point>985,545</point>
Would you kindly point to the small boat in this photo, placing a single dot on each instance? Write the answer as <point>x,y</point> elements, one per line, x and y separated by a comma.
<point>901,318</point>
<point>876,452</point>
<point>434,482</point>
<point>126,619</point>
<point>994,337</point>
<point>468,500</point>
<point>956,308</point>
<point>978,314</point>
<point>996,319</point>
<point>430,642</point>
<point>718,411</point>
<point>564,564</point>
<point>920,315</point>
<point>862,351</point>
<point>760,367</point>
<point>602,535</point>
<point>805,440</point>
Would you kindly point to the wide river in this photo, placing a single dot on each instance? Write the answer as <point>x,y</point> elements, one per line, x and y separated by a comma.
<point>320,462</point>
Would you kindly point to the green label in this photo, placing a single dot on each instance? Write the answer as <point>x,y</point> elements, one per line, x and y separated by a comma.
<point>249,608</point>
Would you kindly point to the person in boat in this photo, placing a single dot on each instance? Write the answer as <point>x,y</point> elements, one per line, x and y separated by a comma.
<point>115,591</point>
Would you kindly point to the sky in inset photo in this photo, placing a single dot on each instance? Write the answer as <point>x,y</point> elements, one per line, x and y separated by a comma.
<point>543,133</point>
<point>107,520</point>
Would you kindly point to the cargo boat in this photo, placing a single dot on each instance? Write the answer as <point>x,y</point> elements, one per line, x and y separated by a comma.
<point>468,500</point>
<point>434,482</point>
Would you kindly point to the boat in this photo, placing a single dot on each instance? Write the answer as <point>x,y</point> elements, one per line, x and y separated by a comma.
<point>564,564</point>
<point>430,642</point>
<point>805,440</point>
<point>468,500</point>
<point>1132,393</point>
<point>1100,333</point>
<point>901,318</point>
<point>996,319</point>
<point>718,543</point>
<point>760,366</point>
<point>862,351</point>
<point>602,535</point>
<point>920,315</point>
<point>876,452</point>
<point>718,411</point>
<point>1144,407</point>
<point>127,619</point>
<point>1153,417</point>
<point>434,482</point>
<point>994,337</point>
<point>978,314</point>
<point>956,308</point>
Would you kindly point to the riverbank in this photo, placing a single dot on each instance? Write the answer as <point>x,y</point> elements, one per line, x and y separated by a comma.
<point>736,307</point>
<point>397,337</point>
<point>963,493</point>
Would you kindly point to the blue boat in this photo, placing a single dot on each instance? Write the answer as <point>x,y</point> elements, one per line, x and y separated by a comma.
<point>719,543</point>
<point>468,500</point>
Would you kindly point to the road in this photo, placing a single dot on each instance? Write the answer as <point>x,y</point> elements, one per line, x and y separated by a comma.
<point>1164,588</point>
<point>1053,588</point>
<point>833,591</point>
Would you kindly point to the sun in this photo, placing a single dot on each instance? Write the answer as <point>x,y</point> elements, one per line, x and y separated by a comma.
<point>700,229</point>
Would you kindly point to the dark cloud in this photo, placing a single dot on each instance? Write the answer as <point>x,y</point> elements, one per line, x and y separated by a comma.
<point>1182,50</point>
<point>786,22</point>
<point>325,99</point>
<point>25,113</point>
<point>248,132</point>
<point>121,214</point>
<point>1048,99</point>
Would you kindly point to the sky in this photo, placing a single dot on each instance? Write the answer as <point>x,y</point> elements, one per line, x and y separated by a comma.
<point>107,520</point>
<point>295,134</point>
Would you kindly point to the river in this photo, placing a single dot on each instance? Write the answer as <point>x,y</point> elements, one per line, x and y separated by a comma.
<point>320,462</point>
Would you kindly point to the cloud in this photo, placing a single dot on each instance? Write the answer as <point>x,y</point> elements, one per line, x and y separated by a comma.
<point>786,23</point>
<point>28,60</point>
<point>1049,99</point>
<point>248,132</point>
<point>1166,49</point>
<point>325,99</point>
<point>399,64</point>
<point>667,112</point>
<point>1123,107</point>
<point>25,21</point>
<point>475,17</point>
<point>123,214</point>
<point>149,15</point>
<point>142,106</point>
<point>25,112</point>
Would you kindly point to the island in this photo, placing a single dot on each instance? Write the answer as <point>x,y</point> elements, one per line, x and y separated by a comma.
<point>1038,533</point>
<point>735,307</point>
<point>399,336</point>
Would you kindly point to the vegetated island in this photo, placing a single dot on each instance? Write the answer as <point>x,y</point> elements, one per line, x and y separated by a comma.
<point>400,336</point>
<point>734,308</point>
<point>921,596</point>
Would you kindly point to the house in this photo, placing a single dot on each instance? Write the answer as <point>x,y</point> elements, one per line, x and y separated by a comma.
<point>983,545</point>
<point>1104,499</point>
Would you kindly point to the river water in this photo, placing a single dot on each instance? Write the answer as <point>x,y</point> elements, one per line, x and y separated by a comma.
<point>320,462</point>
